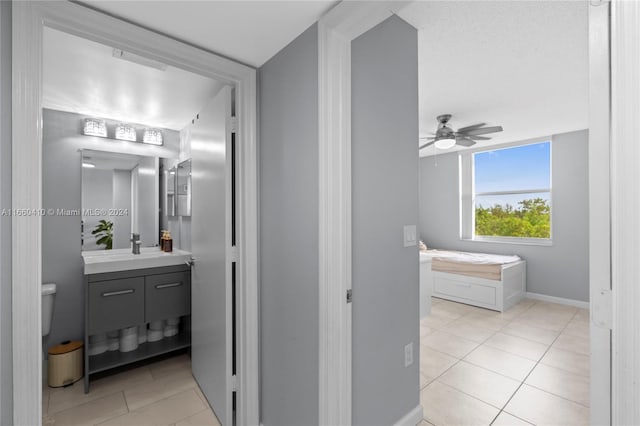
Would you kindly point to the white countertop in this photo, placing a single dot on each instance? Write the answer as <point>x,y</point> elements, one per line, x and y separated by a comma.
<point>100,261</point>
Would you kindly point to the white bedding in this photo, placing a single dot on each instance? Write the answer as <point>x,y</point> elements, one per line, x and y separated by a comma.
<point>475,258</point>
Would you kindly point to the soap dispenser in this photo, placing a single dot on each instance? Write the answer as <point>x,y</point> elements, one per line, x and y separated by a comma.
<point>166,242</point>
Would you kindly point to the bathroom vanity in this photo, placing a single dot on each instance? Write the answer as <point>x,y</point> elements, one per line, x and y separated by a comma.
<point>126,290</point>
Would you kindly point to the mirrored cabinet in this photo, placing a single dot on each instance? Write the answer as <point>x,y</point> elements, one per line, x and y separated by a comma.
<point>183,188</point>
<point>170,192</point>
<point>177,195</point>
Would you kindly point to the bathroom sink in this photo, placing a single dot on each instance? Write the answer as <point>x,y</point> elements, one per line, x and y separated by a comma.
<point>100,261</point>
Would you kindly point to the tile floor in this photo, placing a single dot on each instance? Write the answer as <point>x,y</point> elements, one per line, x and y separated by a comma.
<point>161,393</point>
<point>528,365</point>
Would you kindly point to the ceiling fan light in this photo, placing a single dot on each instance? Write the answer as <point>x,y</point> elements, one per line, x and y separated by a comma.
<point>445,143</point>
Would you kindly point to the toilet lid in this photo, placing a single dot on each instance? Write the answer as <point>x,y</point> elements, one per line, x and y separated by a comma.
<point>48,289</point>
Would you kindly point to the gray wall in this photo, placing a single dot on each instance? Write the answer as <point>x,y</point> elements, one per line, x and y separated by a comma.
<point>288,126</point>
<point>6,372</point>
<point>61,179</point>
<point>385,198</point>
<point>561,270</point>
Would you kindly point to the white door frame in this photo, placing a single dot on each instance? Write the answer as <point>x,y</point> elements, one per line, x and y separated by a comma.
<point>336,30</point>
<point>599,214</point>
<point>29,18</point>
<point>625,204</point>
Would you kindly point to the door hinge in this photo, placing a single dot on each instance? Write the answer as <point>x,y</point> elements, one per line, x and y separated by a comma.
<point>602,309</point>
<point>349,296</point>
<point>234,383</point>
<point>234,254</point>
<point>233,124</point>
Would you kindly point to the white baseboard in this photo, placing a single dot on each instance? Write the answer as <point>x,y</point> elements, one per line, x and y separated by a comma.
<point>560,300</point>
<point>412,418</point>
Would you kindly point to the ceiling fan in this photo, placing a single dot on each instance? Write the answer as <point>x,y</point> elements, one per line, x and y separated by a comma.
<point>445,137</point>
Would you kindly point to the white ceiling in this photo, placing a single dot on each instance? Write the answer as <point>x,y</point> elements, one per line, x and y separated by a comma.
<point>519,64</point>
<point>82,76</point>
<point>247,31</point>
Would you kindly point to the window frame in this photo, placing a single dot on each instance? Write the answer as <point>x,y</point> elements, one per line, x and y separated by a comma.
<point>466,167</point>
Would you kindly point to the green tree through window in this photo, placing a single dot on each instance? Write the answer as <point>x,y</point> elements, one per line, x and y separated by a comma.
<point>512,192</point>
<point>530,219</point>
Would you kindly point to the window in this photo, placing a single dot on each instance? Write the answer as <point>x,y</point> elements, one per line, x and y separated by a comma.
<point>506,194</point>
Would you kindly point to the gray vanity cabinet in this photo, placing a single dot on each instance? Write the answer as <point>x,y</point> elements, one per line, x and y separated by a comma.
<point>167,296</point>
<point>115,300</point>
<point>116,304</point>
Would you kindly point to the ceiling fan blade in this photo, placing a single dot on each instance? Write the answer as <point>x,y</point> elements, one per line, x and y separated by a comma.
<point>465,142</point>
<point>426,144</point>
<point>427,137</point>
<point>475,126</point>
<point>482,131</point>
<point>477,138</point>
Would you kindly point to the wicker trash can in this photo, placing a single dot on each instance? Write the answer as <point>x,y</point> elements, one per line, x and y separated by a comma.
<point>65,364</point>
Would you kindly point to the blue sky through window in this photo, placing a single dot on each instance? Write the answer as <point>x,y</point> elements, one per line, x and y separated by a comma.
<point>512,169</point>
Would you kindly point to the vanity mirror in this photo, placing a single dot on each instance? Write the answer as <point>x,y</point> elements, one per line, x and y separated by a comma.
<point>120,196</point>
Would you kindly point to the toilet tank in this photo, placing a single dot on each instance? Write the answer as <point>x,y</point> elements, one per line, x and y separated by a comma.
<point>48,297</point>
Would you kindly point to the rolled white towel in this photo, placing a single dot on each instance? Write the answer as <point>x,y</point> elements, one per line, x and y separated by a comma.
<point>155,335</point>
<point>156,325</point>
<point>113,344</point>
<point>170,330</point>
<point>173,321</point>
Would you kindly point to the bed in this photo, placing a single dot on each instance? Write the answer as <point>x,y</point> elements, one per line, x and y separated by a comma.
<point>486,280</point>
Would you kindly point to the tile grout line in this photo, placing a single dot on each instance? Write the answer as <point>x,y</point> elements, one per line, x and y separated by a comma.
<point>145,406</point>
<point>85,403</point>
<point>531,371</point>
<point>522,382</point>
<point>461,359</point>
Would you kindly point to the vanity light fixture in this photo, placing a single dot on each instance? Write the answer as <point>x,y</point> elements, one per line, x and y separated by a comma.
<point>125,132</point>
<point>95,127</point>
<point>152,136</point>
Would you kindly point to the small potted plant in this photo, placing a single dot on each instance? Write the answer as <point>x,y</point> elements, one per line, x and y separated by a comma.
<point>104,234</point>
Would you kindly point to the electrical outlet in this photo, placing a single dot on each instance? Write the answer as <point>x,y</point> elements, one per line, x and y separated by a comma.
<point>408,354</point>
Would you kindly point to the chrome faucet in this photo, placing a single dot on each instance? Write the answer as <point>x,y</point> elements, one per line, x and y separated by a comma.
<point>135,247</point>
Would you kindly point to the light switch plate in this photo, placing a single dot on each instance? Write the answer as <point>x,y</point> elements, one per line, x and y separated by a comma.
<point>410,235</point>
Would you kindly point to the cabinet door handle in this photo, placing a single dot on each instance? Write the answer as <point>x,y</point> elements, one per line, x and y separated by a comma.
<point>117,293</point>
<point>161,286</point>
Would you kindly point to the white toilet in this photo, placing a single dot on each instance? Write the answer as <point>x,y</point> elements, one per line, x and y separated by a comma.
<point>48,298</point>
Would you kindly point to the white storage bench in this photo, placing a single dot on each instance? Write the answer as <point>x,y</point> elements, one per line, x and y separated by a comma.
<point>499,289</point>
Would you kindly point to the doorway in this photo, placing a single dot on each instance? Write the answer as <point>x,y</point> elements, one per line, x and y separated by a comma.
<point>29,21</point>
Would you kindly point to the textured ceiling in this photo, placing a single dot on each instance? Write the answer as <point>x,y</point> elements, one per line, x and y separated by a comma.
<point>519,64</point>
